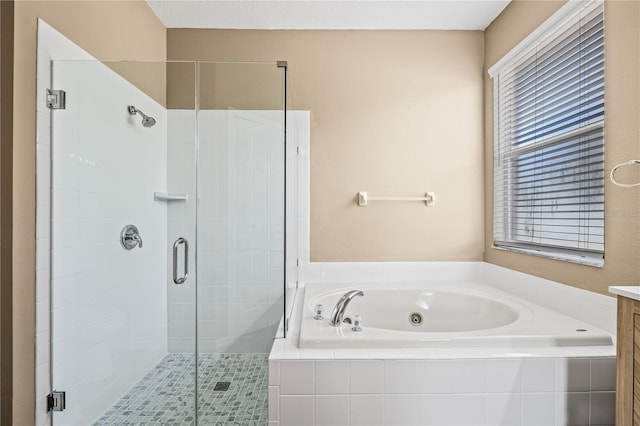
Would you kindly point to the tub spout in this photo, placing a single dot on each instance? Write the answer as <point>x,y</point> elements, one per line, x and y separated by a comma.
<point>338,311</point>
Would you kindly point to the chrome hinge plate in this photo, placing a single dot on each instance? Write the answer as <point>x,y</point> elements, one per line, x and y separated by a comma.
<point>56,401</point>
<point>56,99</point>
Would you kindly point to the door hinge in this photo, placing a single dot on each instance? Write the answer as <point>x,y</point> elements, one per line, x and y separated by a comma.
<point>56,401</point>
<point>56,99</point>
<point>297,262</point>
<point>298,150</point>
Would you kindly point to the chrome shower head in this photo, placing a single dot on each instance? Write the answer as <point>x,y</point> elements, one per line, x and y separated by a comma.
<point>146,120</point>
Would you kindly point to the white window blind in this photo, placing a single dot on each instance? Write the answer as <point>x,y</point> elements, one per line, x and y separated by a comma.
<point>549,142</point>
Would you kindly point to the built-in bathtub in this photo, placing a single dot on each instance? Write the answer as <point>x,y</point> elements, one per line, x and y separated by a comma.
<point>437,314</point>
<point>554,379</point>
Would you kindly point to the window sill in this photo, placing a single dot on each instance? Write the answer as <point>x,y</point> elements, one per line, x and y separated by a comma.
<point>571,258</point>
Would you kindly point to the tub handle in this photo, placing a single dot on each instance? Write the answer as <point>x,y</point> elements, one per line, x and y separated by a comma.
<point>357,323</point>
<point>318,310</point>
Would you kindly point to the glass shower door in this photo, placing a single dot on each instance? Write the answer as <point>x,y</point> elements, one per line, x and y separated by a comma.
<point>123,214</point>
<point>241,236</point>
<point>167,240</point>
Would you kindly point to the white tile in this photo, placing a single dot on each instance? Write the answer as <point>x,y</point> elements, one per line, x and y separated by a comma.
<point>469,376</point>
<point>181,345</point>
<point>436,410</point>
<point>572,374</point>
<point>42,348</point>
<point>43,417</point>
<point>603,374</point>
<point>43,227</point>
<point>296,410</point>
<point>504,409</point>
<point>42,254</point>
<point>331,410</point>
<point>349,354</point>
<point>42,285</point>
<point>538,375</point>
<point>401,410</point>
<point>538,409</point>
<point>437,376</point>
<point>42,316</point>
<point>274,373</point>
<point>296,377</point>
<point>470,410</point>
<point>504,375</point>
<point>43,385</point>
<point>603,408</point>
<point>572,409</point>
<point>317,354</point>
<point>403,377</point>
<point>366,410</point>
<point>274,402</point>
<point>316,272</point>
<point>273,423</point>
<point>424,376</point>
<point>331,377</point>
<point>366,377</point>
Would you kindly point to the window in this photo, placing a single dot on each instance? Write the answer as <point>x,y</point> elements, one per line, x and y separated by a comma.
<point>549,139</point>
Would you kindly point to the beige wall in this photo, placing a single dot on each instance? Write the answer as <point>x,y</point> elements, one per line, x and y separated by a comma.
<point>107,30</point>
<point>256,86</point>
<point>622,130</point>
<point>392,113</point>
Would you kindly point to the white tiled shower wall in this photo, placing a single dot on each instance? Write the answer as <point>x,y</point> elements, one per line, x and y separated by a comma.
<point>108,304</point>
<point>97,288</point>
<point>240,231</point>
<point>135,290</point>
<point>51,44</point>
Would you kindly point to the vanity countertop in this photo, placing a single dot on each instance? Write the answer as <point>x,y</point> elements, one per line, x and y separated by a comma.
<point>631,291</point>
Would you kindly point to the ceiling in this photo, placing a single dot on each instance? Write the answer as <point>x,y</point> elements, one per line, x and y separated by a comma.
<point>329,15</point>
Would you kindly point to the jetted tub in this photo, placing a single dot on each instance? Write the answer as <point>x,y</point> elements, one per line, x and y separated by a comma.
<point>447,314</point>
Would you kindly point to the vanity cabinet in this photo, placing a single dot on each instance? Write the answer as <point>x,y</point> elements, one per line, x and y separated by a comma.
<point>628,362</point>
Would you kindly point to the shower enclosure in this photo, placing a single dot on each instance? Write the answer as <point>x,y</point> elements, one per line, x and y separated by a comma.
<point>168,225</point>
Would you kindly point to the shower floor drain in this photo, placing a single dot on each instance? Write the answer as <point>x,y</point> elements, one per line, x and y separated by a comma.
<point>221,386</point>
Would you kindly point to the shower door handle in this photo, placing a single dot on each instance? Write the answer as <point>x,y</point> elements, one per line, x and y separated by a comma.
<point>175,260</point>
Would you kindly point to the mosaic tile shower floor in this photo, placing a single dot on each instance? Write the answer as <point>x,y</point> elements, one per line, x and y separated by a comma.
<point>165,395</point>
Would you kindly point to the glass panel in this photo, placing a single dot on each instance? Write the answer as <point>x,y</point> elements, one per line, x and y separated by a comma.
<point>241,243</point>
<point>123,334</point>
<point>125,152</point>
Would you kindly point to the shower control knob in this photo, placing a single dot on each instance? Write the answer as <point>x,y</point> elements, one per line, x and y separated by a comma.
<point>130,237</point>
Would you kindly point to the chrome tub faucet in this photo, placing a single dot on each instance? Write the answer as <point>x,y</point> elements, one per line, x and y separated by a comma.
<point>341,306</point>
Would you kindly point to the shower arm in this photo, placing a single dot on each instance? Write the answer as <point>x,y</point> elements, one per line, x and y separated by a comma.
<point>133,111</point>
